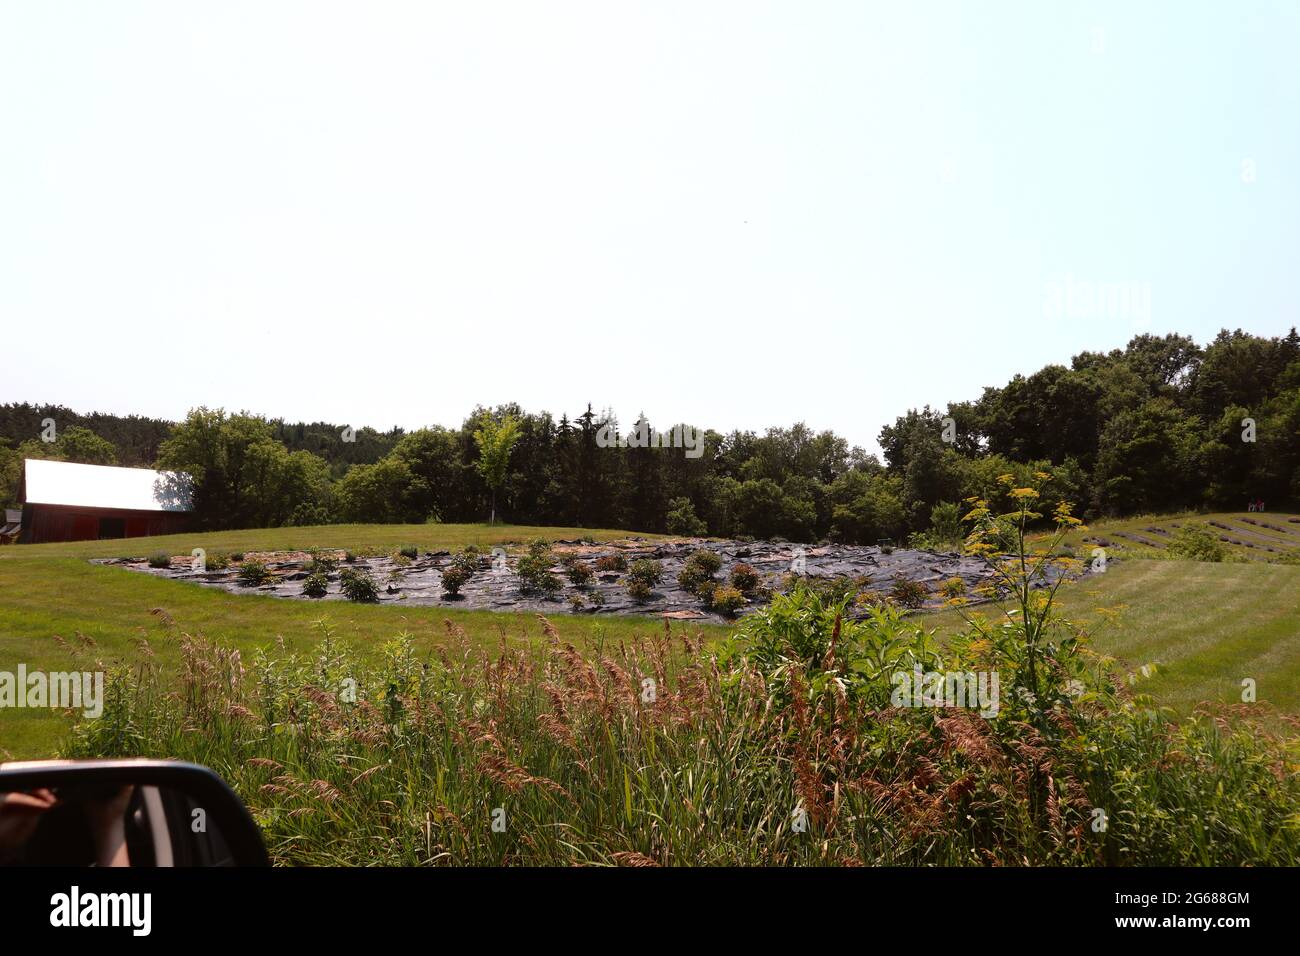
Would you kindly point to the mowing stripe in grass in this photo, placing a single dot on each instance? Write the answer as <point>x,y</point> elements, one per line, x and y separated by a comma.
<point>1208,626</point>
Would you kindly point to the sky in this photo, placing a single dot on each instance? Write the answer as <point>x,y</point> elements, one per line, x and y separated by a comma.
<point>733,214</point>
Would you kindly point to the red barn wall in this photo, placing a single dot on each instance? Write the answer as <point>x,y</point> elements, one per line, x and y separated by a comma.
<point>45,523</point>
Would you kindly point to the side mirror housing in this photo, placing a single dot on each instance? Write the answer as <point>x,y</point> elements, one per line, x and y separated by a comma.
<point>139,813</point>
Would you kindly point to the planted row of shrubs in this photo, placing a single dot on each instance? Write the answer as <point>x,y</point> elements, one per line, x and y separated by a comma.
<point>698,576</point>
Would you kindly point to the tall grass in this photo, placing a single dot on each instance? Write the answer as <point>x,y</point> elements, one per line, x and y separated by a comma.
<point>657,752</point>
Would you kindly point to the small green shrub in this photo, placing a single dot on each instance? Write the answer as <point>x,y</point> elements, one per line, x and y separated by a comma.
<point>706,589</point>
<point>160,559</point>
<point>908,593</point>
<point>706,561</point>
<point>836,589</point>
<point>324,563</point>
<point>315,585</point>
<point>692,577</point>
<point>467,561</point>
<point>596,598</point>
<point>745,579</point>
<point>218,561</point>
<point>647,570</point>
<point>867,598</point>
<point>253,573</point>
<point>727,600</point>
<point>642,577</point>
<point>454,578</point>
<point>534,569</point>
<point>576,603</point>
<point>410,552</point>
<point>358,586</point>
<point>953,588</point>
<point>1196,542</point>
<point>611,563</point>
<point>578,571</point>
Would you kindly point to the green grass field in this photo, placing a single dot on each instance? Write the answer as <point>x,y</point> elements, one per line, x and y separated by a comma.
<point>1206,626</point>
<point>48,590</point>
<point>1260,536</point>
<point>379,538</point>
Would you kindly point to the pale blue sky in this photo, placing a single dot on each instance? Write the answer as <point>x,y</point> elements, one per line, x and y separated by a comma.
<point>736,214</point>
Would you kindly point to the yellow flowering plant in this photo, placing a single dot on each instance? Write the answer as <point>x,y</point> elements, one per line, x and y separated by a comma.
<point>1028,570</point>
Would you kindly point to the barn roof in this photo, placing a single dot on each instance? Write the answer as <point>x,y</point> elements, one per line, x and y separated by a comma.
<point>105,486</point>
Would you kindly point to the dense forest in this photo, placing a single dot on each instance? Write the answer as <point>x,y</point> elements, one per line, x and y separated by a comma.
<point>1161,425</point>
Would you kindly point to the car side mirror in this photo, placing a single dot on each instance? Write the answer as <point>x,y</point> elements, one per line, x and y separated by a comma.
<point>138,813</point>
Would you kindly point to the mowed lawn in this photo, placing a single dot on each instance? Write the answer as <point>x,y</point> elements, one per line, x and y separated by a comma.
<point>1257,536</point>
<point>1206,626</point>
<point>379,538</point>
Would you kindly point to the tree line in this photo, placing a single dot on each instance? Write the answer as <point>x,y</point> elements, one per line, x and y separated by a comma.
<point>1163,424</point>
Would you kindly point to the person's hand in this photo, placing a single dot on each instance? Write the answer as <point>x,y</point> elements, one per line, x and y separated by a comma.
<point>107,820</point>
<point>19,815</point>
